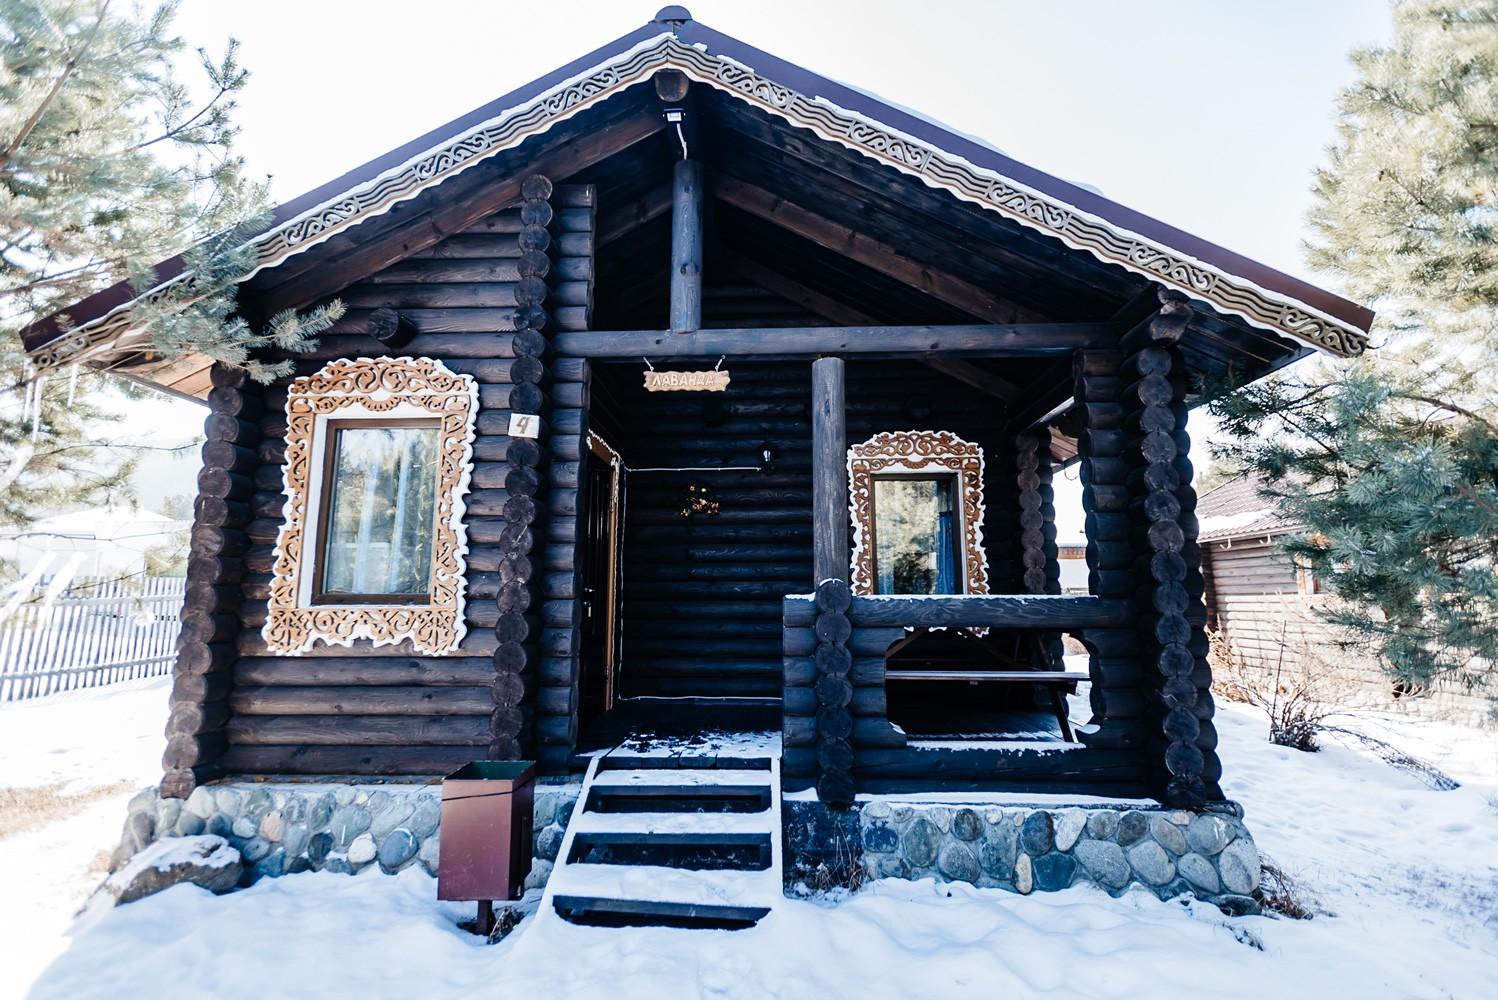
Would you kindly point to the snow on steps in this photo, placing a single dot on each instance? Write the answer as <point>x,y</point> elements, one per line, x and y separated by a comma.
<point>705,869</point>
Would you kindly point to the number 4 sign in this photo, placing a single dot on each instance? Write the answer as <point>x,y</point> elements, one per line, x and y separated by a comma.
<point>525,425</point>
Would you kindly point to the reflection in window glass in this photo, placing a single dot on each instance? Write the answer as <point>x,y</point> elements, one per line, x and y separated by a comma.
<point>915,536</point>
<point>381,505</point>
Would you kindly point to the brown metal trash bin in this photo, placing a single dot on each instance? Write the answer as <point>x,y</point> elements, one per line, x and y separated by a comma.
<point>485,845</point>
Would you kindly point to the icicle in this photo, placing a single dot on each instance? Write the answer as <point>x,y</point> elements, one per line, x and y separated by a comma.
<point>72,383</point>
<point>36,412</point>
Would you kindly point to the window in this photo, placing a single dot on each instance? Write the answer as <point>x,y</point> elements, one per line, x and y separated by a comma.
<point>380,490</point>
<point>917,509</point>
<point>915,549</point>
<point>372,542</point>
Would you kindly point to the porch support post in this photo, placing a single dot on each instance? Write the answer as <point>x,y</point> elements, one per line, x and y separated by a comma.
<point>1116,663</point>
<point>1037,512</point>
<point>686,247</point>
<point>1037,524</point>
<point>829,468</point>
<point>1177,681</point>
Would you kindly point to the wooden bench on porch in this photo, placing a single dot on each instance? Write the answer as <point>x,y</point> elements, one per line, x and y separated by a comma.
<point>1014,669</point>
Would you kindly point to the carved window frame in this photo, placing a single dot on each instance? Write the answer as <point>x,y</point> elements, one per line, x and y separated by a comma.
<point>917,454</point>
<point>379,390</point>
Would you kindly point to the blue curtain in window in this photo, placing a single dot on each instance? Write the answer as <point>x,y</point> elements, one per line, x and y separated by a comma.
<point>946,569</point>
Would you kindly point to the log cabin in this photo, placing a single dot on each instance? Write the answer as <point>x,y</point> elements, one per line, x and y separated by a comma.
<point>684,388</point>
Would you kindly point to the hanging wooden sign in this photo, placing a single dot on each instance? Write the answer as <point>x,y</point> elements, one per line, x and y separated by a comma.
<point>711,381</point>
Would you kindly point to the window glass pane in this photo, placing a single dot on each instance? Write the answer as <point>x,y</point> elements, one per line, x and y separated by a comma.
<point>381,505</point>
<point>915,536</point>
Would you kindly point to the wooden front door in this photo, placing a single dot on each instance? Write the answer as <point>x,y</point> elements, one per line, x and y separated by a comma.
<point>600,577</point>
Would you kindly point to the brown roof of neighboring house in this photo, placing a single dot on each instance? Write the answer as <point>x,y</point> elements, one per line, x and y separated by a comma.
<point>1238,509</point>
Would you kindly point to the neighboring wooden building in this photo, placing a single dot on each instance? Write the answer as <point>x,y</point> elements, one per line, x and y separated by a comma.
<point>1265,606</point>
<point>468,528</point>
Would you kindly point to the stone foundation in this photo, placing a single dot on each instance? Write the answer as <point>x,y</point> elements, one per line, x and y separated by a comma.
<point>280,828</point>
<point>1028,848</point>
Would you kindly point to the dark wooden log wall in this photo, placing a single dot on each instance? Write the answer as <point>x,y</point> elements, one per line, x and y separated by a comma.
<point>1167,566</point>
<point>701,611</point>
<point>202,679</point>
<point>478,302</point>
<point>700,597</point>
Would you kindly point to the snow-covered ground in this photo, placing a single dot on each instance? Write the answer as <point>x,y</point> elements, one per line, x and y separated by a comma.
<point>1411,875</point>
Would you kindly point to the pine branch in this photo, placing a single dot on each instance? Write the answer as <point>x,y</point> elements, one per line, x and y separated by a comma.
<point>68,69</point>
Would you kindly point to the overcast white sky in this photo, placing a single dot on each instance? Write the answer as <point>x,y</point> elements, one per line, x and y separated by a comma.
<point>1207,114</point>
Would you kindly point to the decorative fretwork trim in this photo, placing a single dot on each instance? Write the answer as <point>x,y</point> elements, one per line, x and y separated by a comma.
<point>373,387</point>
<point>954,174</point>
<point>895,452</point>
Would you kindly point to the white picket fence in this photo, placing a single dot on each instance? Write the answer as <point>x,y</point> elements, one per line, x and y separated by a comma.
<point>91,634</point>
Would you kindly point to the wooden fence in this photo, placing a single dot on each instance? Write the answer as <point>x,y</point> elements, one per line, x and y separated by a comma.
<point>90,635</point>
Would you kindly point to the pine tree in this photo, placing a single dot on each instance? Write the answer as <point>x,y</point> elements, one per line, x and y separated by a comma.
<point>1391,460</point>
<point>107,166</point>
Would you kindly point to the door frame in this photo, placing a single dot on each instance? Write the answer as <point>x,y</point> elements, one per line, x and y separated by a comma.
<point>606,453</point>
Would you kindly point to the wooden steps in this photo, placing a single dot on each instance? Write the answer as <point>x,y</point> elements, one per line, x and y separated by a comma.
<point>671,842</point>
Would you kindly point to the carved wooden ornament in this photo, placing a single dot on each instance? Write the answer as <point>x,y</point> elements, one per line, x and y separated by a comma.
<point>903,452</point>
<point>373,389</point>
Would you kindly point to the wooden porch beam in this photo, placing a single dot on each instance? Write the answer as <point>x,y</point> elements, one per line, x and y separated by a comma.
<point>840,312</point>
<point>867,251</point>
<point>1014,340</point>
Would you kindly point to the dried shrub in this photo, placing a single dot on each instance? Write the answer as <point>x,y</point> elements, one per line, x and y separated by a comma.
<point>1298,695</point>
<point>844,870</point>
<point>1285,894</point>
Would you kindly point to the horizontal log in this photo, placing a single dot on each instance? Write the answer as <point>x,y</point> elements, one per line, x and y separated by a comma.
<point>367,730</point>
<point>191,749</point>
<point>347,700</point>
<point>988,340</point>
<point>367,671</point>
<point>192,718</point>
<point>556,729</point>
<point>433,761</point>
<point>476,643</point>
<point>875,732</point>
<point>1038,611</point>
<point>430,271</point>
<point>700,687</point>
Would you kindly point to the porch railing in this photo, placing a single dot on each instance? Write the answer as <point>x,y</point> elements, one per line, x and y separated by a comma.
<point>90,635</point>
<point>835,708</point>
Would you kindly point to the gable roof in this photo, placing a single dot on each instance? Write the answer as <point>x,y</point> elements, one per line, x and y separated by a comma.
<point>1239,509</point>
<point>919,148</point>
